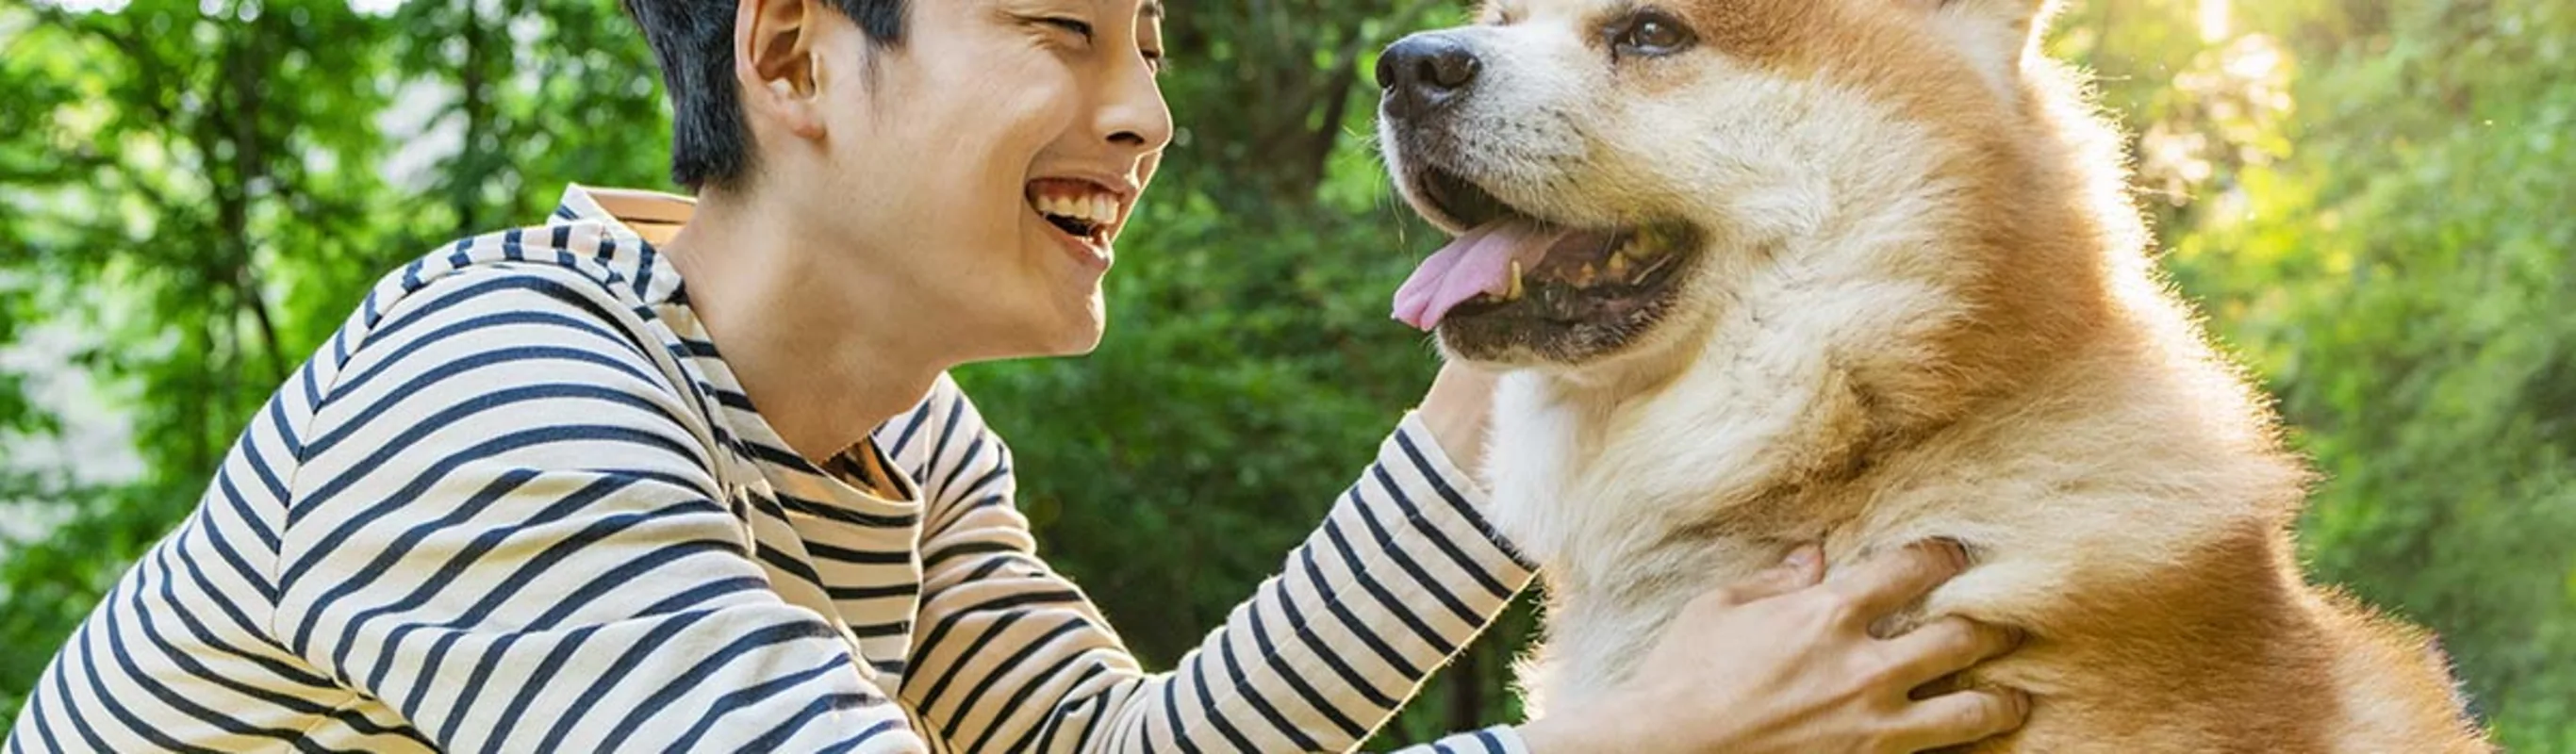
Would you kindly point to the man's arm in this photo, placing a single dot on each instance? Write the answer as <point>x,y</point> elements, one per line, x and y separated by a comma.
<point>505,527</point>
<point>1012,657</point>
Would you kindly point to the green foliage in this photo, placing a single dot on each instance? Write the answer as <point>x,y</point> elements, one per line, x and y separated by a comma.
<point>2371,199</point>
<point>197,187</point>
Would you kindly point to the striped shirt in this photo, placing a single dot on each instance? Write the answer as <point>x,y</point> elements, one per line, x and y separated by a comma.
<point>519,503</point>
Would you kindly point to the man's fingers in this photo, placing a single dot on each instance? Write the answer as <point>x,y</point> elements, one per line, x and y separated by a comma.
<point>1801,569</point>
<point>1959,717</point>
<point>1890,580</point>
<point>1946,646</point>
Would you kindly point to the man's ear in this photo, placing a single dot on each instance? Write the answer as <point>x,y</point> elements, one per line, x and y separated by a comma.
<point>774,68</point>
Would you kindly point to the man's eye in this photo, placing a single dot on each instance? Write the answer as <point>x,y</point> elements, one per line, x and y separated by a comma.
<point>1649,34</point>
<point>1077,26</point>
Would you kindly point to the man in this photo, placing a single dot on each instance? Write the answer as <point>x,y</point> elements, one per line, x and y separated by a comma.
<point>609,483</point>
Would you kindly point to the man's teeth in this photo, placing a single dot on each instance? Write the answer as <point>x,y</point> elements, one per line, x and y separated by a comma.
<point>1097,209</point>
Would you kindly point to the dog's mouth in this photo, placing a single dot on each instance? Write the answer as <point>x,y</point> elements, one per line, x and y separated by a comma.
<point>1515,286</point>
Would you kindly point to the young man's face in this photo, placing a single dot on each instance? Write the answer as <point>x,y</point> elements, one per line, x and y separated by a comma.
<point>982,167</point>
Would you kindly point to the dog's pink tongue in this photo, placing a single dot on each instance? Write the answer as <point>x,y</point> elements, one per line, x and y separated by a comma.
<point>1479,261</point>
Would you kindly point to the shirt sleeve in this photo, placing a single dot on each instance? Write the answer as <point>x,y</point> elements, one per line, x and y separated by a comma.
<point>506,528</point>
<point>1403,572</point>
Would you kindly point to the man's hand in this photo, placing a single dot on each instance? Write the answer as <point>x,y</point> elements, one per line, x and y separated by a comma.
<point>1455,410</point>
<point>1783,664</point>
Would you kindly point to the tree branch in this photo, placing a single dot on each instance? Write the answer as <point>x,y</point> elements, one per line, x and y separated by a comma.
<point>1337,89</point>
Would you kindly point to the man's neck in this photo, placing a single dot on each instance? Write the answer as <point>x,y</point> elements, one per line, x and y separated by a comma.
<point>824,366</point>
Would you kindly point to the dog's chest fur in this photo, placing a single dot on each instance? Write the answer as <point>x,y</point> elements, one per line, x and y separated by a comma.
<point>2120,508</point>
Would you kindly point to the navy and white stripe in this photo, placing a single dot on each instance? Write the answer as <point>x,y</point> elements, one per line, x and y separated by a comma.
<point>520,503</point>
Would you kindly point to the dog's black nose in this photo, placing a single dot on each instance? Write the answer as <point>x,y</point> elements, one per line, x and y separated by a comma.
<point>1423,71</point>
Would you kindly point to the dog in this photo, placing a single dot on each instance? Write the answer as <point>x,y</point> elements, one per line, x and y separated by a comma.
<point>1867,272</point>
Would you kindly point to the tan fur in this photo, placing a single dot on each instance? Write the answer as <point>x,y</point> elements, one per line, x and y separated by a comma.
<point>1924,309</point>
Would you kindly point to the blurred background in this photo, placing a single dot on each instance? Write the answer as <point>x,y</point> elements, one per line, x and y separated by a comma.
<point>2371,199</point>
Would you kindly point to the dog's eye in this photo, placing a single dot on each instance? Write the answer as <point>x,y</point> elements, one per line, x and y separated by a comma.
<point>1649,34</point>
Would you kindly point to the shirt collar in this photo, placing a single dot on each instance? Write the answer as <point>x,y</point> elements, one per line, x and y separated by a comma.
<point>621,227</point>
<point>633,209</point>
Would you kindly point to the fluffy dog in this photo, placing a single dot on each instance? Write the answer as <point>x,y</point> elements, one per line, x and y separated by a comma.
<point>1866,272</point>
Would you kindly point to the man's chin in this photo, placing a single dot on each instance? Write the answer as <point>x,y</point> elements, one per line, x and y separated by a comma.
<point>1079,344</point>
<point>1024,333</point>
<point>1075,333</point>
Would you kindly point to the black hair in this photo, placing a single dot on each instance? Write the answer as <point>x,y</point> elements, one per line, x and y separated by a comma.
<point>693,41</point>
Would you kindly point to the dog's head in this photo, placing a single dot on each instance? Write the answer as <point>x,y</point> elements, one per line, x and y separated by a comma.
<point>1614,167</point>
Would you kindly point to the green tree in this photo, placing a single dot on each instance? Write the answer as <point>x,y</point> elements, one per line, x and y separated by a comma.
<point>163,162</point>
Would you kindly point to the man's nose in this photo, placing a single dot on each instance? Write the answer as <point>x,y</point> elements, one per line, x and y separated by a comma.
<point>1422,72</point>
<point>1135,114</point>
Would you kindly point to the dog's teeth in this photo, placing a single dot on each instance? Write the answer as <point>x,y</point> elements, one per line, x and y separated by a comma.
<point>1644,247</point>
<point>1653,265</point>
<point>1618,265</point>
<point>1583,277</point>
<point>1514,293</point>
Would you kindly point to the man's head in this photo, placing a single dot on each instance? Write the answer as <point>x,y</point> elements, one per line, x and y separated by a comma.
<point>693,39</point>
<point>970,159</point>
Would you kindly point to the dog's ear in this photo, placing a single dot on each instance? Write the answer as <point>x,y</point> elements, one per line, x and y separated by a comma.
<point>2023,18</point>
<point>1998,33</point>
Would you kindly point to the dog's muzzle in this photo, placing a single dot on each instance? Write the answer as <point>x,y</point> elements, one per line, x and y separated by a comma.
<point>1425,72</point>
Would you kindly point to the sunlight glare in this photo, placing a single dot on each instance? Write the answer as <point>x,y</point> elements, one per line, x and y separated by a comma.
<point>208,7</point>
<point>87,6</point>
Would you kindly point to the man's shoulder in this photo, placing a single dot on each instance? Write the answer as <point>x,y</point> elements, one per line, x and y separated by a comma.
<point>608,281</point>
<point>508,296</point>
<point>585,253</point>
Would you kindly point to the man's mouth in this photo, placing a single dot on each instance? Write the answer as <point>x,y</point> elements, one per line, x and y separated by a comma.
<point>1509,265</point>
<point>1082,209</point>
